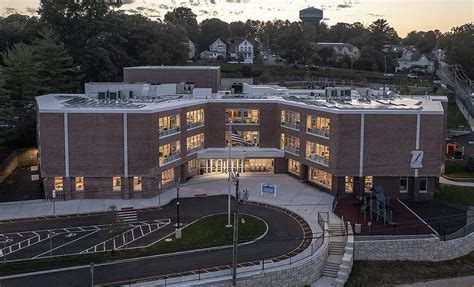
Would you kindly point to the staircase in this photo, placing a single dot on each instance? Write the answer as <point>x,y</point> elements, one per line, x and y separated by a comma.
<point>336,250</point>
<point>128,215</point>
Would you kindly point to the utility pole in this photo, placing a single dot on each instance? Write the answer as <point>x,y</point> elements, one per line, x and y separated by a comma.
<point>236,233</point>
<point>178,228</point>
<point>50,232</point>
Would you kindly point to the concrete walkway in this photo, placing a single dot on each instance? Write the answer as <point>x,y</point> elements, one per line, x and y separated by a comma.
<point>444,180</point>
<point>451,282</point>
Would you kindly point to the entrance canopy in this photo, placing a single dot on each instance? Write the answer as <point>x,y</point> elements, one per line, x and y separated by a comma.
<point>240,153</point>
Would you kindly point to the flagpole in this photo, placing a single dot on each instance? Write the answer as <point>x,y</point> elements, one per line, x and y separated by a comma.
<point>228,179</point>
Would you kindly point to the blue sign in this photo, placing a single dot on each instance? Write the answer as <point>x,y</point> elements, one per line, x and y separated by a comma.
<point>270,188</point>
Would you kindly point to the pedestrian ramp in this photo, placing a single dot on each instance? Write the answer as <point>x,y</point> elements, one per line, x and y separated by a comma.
<point>123,240</point>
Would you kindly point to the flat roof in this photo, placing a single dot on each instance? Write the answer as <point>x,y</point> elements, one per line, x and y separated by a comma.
<point>80,103</point>
<point>174,67</point>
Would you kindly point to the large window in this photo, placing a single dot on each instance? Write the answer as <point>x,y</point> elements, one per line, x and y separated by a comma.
<point>348,184</point>
<point>167,175</point>
<point>320,177</point>
<point>58,183</point>
<point>368,183</point>
<point>168,125</point>
<point>169,152</point>
<point>195,118</point>
<point>193,165</point>
<point>290,119</point>
<point>242,116</point>
<point>318,126</point>
<point>403,184</point>
<point>195,143</point>
<point>423,185</point>
<point>116,183</point>
<point>290,144</point>
<point>137,183</point>
<point>294,166</point>
<point>79,183</point>
<point>251,138</point>
<point>317,152</point>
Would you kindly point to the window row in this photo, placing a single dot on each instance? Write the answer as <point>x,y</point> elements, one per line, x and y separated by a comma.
<point>290,119</point>
<point>195,143</point>
<point>242,116</point>
<point>169,125</point>
<point>79,183</point>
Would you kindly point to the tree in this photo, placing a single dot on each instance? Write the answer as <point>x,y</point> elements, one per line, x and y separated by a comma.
<point>184,17</point>
<point>21,75</point>
<point>17,28</point>
<point>57,72</point>
<point>238,29</point>
<point>116,225</point>
<point>211,30</point>
<point>382,33</point>
<point>458,47</point>
<point>5,107</point>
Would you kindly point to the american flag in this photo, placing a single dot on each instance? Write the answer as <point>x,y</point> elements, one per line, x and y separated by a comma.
<point>235,137</point>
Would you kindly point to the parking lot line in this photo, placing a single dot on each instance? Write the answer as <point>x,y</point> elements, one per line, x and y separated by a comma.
<point>66,243</point>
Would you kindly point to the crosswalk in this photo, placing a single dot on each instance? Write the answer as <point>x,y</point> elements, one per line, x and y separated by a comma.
<point>128,215</point>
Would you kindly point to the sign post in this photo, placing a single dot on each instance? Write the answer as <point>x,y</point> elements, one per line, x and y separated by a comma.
<point>268,188</point>
<point>92,273</point>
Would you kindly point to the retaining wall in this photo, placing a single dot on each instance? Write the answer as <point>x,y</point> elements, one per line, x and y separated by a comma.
<point>427,249</point>
<point>21,157</point>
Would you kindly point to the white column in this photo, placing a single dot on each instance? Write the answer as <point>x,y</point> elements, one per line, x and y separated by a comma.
<point>417,143</point>
<point>361,150</point>
<point>125,145</point>
<point>66,145</point>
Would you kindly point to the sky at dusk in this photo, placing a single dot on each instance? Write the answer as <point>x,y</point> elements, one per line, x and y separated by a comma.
<point>403,15</point>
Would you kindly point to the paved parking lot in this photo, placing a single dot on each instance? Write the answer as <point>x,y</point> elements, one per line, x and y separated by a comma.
<point>79,240</point>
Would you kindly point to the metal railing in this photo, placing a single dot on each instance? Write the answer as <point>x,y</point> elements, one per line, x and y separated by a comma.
<point>318,132</point>
<point>167,132</point>
<point>291,125</point>
<point>169,158</point>
<point>291,149</point>
<point>318,159</point>
<point>195,149</point>
<point>195,125</point>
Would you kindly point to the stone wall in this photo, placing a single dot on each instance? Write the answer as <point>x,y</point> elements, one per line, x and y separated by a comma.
<point>22,157</point>
<point>298,275</point>
<point>427,249</point>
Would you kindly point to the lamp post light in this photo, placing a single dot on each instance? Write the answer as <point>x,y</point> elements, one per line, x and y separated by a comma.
<point>178,225</point>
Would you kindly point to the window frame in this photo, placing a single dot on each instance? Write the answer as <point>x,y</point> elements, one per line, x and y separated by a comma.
<point>400,184</point>
<point>425,179</point>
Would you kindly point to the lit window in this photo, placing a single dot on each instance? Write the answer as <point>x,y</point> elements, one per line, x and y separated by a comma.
<point>79,183</point>
<point>317,152</point>
<point>403,184</point>
<point>320,177</point>
<point>368,183</point>
<point>195,143</point>
<point>318,125</point>
<point>117,183</point>
<point>348,184</point>
<point>290,144</point>
<point>242,116</point>
<point>167,175</point>
<point>195,118</point>
<point>294,166</point>
<point>423,184</point>
<point>290,119</point>
<point>137,183</point>
<point>168,125</point>
<point>169,152</point>
<point>192,164</point>
<point>58,183</point>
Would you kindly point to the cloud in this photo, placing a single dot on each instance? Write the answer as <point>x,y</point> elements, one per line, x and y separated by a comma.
<point>375,15</point>
<point>342,6</point>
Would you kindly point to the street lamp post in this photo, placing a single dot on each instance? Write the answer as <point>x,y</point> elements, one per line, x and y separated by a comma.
<point>236,233</point>
<point>178,228</point>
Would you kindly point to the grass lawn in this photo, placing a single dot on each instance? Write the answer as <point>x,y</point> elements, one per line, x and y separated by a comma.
<point>456,169</point>
<point>455,117</point>
<point>458,196</point>
<point>390,273</point>
<point>207,232</point>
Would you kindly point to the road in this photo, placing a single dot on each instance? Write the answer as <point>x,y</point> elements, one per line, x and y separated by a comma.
<point>285,236</point>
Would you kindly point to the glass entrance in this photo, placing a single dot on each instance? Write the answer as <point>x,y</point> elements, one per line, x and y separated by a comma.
<point>237,165</point>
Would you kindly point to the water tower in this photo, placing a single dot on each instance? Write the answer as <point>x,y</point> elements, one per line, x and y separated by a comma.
<point>311,15</point>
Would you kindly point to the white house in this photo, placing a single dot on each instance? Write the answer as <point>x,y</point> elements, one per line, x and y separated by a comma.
<point>216,49</point>
<point>340,50</point>
<point>412,59</point>
<point>191,49</point>
<point>245,50</point>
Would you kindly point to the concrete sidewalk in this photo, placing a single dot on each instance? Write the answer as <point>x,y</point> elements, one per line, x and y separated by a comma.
<point>444,180</point>
<point>292,194</point>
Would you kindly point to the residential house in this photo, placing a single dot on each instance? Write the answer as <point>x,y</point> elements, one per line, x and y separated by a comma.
<point>245,51</point>
<point>191,49</point>
<point>412,59</point>
<point>341,50</point>
<point>216,49</point>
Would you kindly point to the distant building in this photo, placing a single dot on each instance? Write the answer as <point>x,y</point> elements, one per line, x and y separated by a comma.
<point>412,59</point>
<point>191,49</point>
<point>341,50</point>
<point>311,15</point>
<point>245,50</point>
<point>216,49</point>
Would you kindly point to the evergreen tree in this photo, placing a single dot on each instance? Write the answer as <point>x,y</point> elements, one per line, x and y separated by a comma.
<point>21,75</point>
<point>57,73</point>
